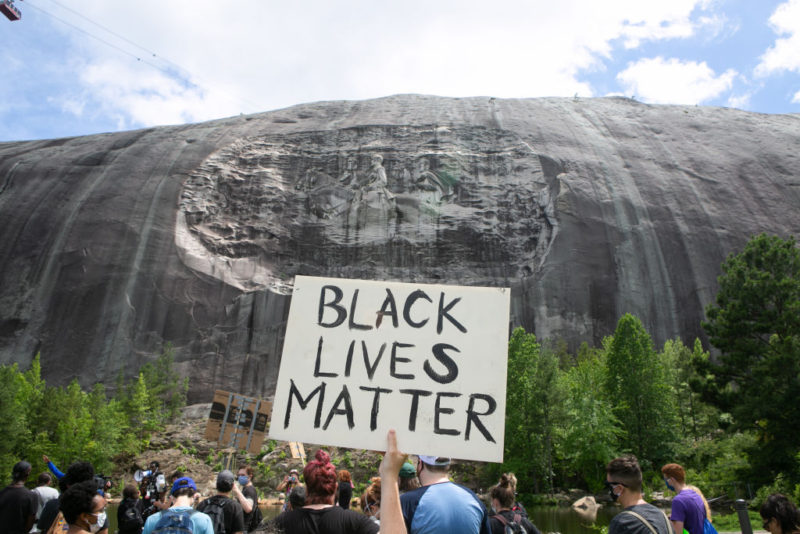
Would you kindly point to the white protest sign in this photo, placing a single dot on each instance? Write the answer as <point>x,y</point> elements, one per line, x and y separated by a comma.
<point>361,357</point>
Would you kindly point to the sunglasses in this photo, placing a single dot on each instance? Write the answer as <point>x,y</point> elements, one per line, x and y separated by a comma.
<point>610,485</point>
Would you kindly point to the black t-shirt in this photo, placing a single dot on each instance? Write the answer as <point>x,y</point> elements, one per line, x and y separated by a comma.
<point>17,505</point>
<point>250,493</point>
<point>498,527</point>
<point>625,523</point>
<point>231,512</point>
<point>345,494</point>
<point>331,520</point>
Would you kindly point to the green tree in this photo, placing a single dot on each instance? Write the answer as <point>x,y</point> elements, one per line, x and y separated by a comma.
<point>637,386</point>
<point>696,419</point>
<point>166,389</point>
<point>69,424</point>
<point>755,323</point>
<point>592,436</point>
<point>533,411</point>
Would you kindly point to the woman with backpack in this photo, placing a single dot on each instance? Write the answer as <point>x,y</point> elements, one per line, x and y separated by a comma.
<point>505,520</point>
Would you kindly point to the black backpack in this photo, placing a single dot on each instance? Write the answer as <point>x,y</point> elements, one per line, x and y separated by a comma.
<point>130,519</point>
<point>213,508</point>
<point>512,527</point>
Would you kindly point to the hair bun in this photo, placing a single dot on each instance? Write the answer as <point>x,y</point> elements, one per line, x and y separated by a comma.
<point>322,457</point>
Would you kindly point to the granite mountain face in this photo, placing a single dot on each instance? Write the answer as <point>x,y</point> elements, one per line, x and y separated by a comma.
<point>112,245</point>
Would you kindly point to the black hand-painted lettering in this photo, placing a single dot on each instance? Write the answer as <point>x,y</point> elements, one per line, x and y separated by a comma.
<point>438,409</point>
<point>396,359</point>
<point>389,308</point>
<point>352,321</point>
<point>295,393</point>
<point>444,312</point>
<point>412,412</point>
<point>472,415</point>
<point>410,300</point>
<point>344,397</point>
<point>440,354</point>
<point>373,419</point>
<point>371,368</point>
<point>341,313</point>
<point>349,361</point>
<point>318,362</point>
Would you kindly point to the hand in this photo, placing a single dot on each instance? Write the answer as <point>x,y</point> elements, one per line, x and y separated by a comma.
<point>393,459</point>
<point>45,459</point>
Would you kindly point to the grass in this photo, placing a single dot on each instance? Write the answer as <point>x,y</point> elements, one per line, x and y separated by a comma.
<point>730,522</point>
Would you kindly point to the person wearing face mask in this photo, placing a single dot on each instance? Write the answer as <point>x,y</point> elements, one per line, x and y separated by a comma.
<point>83,508</point>
<point>624,484</point>
<point>688,508</point>
<point>247,496</point>
<point>77,473</point>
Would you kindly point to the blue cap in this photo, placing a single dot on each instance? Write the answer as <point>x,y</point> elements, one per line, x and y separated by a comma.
<point>183,482</point>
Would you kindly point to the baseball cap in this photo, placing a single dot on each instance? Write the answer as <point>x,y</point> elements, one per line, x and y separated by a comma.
<point>225,480</point>
<point>408,471</point>
<point>438,461</point>
<point>226,476</point>
<point>183,482</point>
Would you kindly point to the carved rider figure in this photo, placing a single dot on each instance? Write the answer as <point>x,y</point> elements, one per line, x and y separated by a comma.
<point>377,181</point>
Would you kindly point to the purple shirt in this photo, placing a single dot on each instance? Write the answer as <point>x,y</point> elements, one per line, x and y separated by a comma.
<point>688,507</point>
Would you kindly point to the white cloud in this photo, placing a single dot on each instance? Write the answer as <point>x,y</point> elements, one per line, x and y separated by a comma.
<point>253,56</point>
<point>796,99</point>
<point>673,81</point>
<point>785,53</point>
<point>740,101</point>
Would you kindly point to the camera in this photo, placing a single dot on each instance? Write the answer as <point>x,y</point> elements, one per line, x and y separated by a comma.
<point>103,482</point>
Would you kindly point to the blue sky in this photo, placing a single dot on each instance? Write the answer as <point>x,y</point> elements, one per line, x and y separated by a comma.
<point>80,67</point>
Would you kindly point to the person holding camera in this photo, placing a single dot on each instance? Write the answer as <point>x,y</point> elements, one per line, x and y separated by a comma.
<point>289,482</point>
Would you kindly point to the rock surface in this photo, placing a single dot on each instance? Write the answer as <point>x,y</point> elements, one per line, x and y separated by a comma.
<point>113,244</point>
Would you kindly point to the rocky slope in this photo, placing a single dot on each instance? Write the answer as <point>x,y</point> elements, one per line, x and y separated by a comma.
<point>113,244</point>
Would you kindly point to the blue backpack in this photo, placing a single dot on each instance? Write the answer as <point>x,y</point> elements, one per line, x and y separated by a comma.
<point>175,522</point>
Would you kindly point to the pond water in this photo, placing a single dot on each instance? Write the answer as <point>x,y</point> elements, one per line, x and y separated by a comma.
<point>564,520</point>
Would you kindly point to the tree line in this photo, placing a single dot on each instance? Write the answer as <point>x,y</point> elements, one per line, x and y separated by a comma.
<point>731,418</point>
<point>68,424</point>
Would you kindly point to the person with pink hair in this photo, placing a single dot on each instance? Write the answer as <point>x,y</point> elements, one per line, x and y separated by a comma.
<point>319,513</point>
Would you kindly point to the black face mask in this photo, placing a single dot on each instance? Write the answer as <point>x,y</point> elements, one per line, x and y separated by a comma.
<point>610,487</point>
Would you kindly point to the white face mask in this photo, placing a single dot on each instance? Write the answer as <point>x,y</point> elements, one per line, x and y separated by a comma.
<point>94,528</point>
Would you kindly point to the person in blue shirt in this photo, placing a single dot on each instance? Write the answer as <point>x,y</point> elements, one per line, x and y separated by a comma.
<point>441,506</point>
<point>183,491</point>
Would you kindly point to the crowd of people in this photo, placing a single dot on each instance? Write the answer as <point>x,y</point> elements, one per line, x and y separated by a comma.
<point>407,497</point>
<point>151,508</point>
